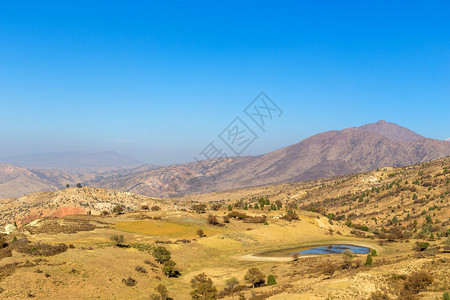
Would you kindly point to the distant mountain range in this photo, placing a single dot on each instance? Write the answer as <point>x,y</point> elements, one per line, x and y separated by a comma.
<point>328,154</point>
<point>73,162</point>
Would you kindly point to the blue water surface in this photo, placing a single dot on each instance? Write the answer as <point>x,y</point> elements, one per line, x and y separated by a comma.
<point>332,249</point>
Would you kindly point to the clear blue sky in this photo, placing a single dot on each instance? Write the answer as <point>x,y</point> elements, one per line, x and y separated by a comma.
<point>159,81</point>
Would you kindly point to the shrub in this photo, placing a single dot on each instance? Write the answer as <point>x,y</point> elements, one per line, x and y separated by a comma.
<point>140,269</point>
<point>155,208</point>
<point>347,256</point>
<point>271,280</point>
<point>212,220</point>
<point>329,268</point>
<point>118,209</point>
<point>169,268</point>
<point>421,246</point>
<point>290,216</point>
<point>446,296</point>
<point>368,260</point>
<point>417,282</point>
<point>161,254</point>
<point>373,253</point>
<point>199,208</point>
<point>237,215</point>
<point>200,233</point>
<point>39,249</point>
<point>162,293</point>
<point>129,281</point>
<point>255,277</point>
<point>226,219</point>
<point>144,207</point>
<point>203,288</point>
<point>118,239</point>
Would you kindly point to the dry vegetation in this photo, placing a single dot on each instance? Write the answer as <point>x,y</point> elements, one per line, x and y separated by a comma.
<point>246,238</point>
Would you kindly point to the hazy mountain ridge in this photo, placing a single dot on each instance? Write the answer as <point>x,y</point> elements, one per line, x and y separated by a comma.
<point>327,154</point>
<point>74,162</point>
<point>332,153</point>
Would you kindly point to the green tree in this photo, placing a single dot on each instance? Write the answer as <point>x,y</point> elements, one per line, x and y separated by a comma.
<point>161,254</point>
<point>169,268</point>
<point>79,185</point>
<point>373,253</point>
<point>67,185</point>
<point>368,260</point>
<point>203,288</point>
<point>255,277</point>
<point>271,280</point>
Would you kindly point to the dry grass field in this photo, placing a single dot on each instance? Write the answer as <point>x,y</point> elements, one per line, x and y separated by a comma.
<point>377,209</point>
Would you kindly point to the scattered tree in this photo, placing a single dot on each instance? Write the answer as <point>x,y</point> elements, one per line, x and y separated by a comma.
<point>161,254</point>
<point>200,233</point>
<point>368,260</point>
<point>203,288</point>
<point>79,185</point>
<point>161,292</point>
<point>169,268</point>
<point>255,277</point>
<point>271,280</point>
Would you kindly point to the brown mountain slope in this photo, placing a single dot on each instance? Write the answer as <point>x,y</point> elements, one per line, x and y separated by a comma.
<point>323,155</point>
<point>392,131</point>
<point>17,181</point>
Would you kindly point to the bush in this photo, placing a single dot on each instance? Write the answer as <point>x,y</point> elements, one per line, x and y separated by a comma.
<point>155,208</point>
<point>162,293</point>
<point>368,260</point>
<point>212,220</point>
<point>199,208</point>
<point>373,253</point>
<point>237,215</point>
<point>118,209</point>
<point>421,246</point>
<point>255,277</point>
<point>161,254</point>
<point>271,280</point>
<point>290,216</point>
<point>169,269</point>
<point>203,288</point>
<point>417,282</point>
<point>446,296</point>
<point>144,207</point>
<point>200,233</point>
<point>118,239</point>
<point>140,269</point>
<point>39,249</point>
<point>129,281</point>
<point>226,219</point>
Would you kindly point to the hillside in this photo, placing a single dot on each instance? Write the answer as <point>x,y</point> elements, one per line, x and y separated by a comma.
<point>327,154</point>
<point>400,214</point>
<point>69,201</point>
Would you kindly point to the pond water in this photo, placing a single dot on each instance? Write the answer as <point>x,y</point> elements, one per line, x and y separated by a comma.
<point>332,249</point>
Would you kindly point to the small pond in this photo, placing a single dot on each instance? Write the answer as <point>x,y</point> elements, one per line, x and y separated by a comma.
<point>332,249</point>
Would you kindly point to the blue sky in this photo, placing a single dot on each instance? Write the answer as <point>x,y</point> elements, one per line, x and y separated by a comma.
<point>160,80</point>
